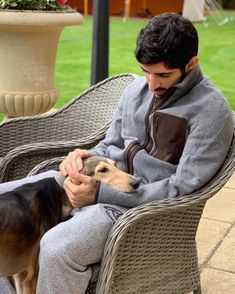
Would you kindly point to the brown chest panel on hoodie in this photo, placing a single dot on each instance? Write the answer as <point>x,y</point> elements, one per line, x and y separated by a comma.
<point>168,137</point>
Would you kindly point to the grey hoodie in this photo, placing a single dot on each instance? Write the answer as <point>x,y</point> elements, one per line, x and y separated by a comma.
<point>175,143</point>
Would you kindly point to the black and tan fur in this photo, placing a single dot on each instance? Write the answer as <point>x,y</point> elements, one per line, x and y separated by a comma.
<point>30,210</point>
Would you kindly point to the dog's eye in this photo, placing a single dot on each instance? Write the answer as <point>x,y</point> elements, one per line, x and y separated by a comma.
<point>103,170</point>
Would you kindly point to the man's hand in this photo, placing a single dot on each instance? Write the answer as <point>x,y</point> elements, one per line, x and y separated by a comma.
<point>80,189</point>
<point>73,162</point>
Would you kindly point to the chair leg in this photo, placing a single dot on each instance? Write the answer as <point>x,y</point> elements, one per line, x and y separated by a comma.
<point>198,290</point>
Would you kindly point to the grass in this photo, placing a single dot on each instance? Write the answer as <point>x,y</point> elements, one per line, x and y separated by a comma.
<point>73,66</point>
<point>217,58</point>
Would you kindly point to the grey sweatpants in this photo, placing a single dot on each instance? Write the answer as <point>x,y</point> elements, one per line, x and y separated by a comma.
<point>6,287</point>
<point>68,250</point>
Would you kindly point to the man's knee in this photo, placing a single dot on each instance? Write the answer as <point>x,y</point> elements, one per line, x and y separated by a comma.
<point>50,248</point>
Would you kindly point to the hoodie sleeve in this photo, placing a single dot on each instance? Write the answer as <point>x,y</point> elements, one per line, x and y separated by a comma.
<point>113,135</point>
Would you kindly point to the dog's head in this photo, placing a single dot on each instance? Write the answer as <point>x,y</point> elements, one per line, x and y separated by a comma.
<point>104,170</point>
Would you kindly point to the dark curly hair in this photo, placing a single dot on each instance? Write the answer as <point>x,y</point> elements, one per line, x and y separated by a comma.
<point>168,38</point>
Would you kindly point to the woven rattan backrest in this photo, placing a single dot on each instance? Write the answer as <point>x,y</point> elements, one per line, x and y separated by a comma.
<point>84,115</point>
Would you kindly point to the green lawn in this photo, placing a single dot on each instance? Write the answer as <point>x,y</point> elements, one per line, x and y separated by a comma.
<point>217,55</point>
<point>74,55</point>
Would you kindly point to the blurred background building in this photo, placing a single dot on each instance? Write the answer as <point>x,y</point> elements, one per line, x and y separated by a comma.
<point>138,8</point>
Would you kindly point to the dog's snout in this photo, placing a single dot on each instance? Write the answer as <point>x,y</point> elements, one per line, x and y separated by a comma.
<point>135,184</point>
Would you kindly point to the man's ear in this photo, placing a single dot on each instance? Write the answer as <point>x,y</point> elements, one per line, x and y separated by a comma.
<point>191,64</point>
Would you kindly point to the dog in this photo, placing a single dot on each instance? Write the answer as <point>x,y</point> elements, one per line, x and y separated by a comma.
<point>30,210</point>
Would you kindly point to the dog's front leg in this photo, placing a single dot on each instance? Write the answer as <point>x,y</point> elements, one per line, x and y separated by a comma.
<point>18,282</point>
<point>24,285</point>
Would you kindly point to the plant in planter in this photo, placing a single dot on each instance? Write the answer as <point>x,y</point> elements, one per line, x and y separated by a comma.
<point>34,4</point>
<point>29,34</point>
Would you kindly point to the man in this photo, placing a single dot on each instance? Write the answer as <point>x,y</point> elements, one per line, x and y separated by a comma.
<point>172,129</point>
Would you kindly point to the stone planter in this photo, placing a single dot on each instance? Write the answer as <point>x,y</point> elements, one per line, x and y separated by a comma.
<point>28,44</point>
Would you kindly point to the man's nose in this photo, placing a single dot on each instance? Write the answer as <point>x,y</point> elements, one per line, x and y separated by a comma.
<point>153,82</point>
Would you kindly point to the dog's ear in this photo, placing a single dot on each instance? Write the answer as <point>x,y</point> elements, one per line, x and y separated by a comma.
<point>88,167</point>
<point>79,162</point>
<point>88,171</point>
<point>112,162</point>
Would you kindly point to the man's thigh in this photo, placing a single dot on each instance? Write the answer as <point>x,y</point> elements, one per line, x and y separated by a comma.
<point>82,238</point>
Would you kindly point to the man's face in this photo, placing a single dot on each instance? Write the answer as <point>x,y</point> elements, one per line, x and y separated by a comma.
<point>160,78</point>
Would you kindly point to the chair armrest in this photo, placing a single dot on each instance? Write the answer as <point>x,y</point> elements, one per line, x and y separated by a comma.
<point>20,161</point>
<point>148,243</point>
<point>50,164</point>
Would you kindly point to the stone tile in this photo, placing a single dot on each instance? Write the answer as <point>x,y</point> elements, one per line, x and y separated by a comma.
<point>217,282</point>
<point>221,206</point>
<point>209,234</point>
<point>224,257</point>
<point>231,182</point>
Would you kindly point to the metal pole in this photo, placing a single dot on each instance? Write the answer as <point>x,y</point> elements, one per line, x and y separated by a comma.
<point>100,42</point>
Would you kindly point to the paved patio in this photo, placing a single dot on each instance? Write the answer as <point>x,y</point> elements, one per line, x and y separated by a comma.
<point>216,242</point>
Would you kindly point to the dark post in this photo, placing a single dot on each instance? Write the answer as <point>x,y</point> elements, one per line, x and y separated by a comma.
<point>100,42</point>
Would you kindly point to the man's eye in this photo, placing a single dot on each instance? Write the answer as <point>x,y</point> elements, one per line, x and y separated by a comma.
<point>164,76</point>
<point>103,170</point>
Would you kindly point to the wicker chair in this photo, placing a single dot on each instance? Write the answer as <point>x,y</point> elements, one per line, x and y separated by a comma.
<point>152,248</point>
<point>80,124</point>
